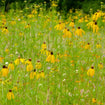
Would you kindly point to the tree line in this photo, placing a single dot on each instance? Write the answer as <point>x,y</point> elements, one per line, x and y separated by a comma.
<point>64,5</point>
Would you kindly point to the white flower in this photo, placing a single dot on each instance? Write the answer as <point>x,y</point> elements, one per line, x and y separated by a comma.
<point>16,52</point>
<point>76,71</point>
<point>64,74</point>
<point>6,63</point>
<point>64,80</point>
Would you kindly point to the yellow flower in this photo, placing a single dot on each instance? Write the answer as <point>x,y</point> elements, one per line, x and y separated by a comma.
<point>42,74</point>
<point>71,24</point>
<point>80,20</point>
<point>17,61</point>
<point>44,46</point>
<point>13,22</point>
<point>91,72</point>
<point>15,88</point>
<point>98,45</point>
<point>79,32</point>
<point>29,67</point>
<point>7,50</point>
<point>28,61</point>
<point>67,34</point>
<point>22,60</point>
<point>11,66</point>
<point>5,30</point>
<point>27,26</point>
<point>94,100</point>
<point>90,24</point>
<point>60,26</point>
<point>100,65</point>
<point>10,95</point>
<point>38,75</point>
<point>33,74</point>
<point>1,59</point>
<point>38,65</point>
<point>4,71</point>
<point>21,34</point>
<point>95,28</point>
<point>50,58</point>
<point>87,46</point>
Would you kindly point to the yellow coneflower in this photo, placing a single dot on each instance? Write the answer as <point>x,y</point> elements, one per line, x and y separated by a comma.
<point>100,65</point>
<point>28,26</point>
<point>71,24</point>
<point>42,74</point>
<point>90,24</point>
<point>67,34</point>
<point>17,61</point>
<point>7,50</point>
<point>28,61</point>
<point>13,22</point>
<point>29,67</point>
<point>38,65</point>
<point>91,72</point>
<point>1,59</point>
<point>94,100</point>
<point>33,74</point>
<point>60,26</point>
<point>5,30</point>
<point>44,46</point>
<point>98,45</point>
<point>11,66</point>
<point>15,88</point>
<point>87,46</point>
<point>10,95</point>
<point>79,32</point>
<point>50,58</point>
<point>95,28</point>
<point>38,75</point>
<point>4,71</point>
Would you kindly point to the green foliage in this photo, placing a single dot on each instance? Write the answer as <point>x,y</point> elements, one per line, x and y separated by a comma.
<point>63,5</point>
<point>91,4</point>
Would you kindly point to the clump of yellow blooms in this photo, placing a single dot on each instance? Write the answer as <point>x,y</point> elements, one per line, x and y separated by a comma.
<point>67,33</point>
<point>60,26</point>
<point>97,15</point>
<point>90,24</point>
<point>40,74</point>
<point>19,60</point>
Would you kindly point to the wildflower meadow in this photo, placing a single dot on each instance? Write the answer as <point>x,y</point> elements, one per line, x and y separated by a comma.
<point>46,59</point>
